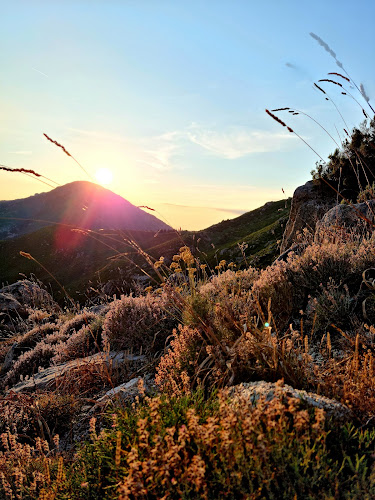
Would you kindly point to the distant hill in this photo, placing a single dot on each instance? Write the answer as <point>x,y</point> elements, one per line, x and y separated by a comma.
<point>80,261</point>
<point>81,204</point>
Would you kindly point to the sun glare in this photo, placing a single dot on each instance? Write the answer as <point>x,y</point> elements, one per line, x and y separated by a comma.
<point>104,176</point>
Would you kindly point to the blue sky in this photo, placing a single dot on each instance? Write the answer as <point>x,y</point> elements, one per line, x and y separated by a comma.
<point>170,96</point>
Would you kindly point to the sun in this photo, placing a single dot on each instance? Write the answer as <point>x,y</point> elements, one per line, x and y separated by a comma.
<point>104,176</point>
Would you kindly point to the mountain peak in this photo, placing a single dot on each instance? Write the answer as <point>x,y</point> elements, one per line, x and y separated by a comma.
<point>81,204</point>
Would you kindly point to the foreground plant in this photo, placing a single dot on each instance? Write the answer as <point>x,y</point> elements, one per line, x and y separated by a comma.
<point>189,448</point>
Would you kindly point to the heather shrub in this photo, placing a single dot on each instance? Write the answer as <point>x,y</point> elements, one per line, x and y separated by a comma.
<point>229,283</point>
<point>231,301</point>
<point>190,448</point>
<point>137,323</point>
<point>32,337</point>
<point>29,363</point>
<point>74,324</point>
<point>274,288</point>
<point>178,367</point>
<point>84,342</point>
<point>30,470</point>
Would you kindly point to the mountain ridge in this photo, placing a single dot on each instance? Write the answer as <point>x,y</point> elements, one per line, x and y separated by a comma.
<point>82,204</point>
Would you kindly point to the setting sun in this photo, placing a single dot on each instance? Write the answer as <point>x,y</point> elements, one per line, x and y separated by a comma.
<point>104,176</point>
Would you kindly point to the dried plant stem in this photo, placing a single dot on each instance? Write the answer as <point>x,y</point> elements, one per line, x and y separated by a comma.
<point>68,154</point>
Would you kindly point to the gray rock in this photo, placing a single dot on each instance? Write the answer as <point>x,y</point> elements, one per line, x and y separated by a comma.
<point>255,390</point>
<point>12,315</point>
<point>9,359</point>
<point>46,379</point>
<point>309,203</point>
<point>127,391</point>
<point>350,217</point>
<point>28,293</point>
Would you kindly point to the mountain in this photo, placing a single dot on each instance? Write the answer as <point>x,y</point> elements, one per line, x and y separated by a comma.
<point>81,261</point>
<point>81,204</point>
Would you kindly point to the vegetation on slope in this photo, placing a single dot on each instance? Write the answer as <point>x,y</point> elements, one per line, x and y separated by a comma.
<point>80,260</point>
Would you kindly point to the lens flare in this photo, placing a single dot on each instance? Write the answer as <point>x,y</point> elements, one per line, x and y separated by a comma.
<point>104,176</point>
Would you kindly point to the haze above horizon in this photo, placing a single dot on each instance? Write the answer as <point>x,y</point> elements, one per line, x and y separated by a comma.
<point>169,97</point>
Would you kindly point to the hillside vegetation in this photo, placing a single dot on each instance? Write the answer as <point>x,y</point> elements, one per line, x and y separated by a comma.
<point>81,260</point>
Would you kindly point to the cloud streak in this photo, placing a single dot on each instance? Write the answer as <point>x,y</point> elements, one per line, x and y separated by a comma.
<point>236,211</point>
<point>239,142</point>
<point>160,152</point>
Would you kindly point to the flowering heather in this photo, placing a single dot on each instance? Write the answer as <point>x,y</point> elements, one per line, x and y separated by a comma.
<point>139,323</point>
<point>179,365</point>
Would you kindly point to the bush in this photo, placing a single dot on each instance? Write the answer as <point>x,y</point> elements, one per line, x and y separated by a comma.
<point>137,323</point>
<point>216,449</point>
<point>80,344</point>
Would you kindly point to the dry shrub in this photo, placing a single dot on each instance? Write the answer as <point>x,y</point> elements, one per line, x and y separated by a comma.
<point>257,354</point>
<point>137,323</point>
<point>229,283</point>
<point>46,348</point>
<point>80,344</point>
<point>179,365</point>
<point>29,363</point>
<point>273,285</point>
<point>239,451</point>
<point>86,378</point>
<point>37,415</point>
<point>325,279</point>
<point>333,305</point>
<point>351,380</point>
<point>32,337</point>
<point>74,324</point>
<point>30,471</point>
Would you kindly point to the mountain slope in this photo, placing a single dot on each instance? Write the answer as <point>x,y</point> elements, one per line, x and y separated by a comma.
<point>80,260</point>
<point>81,204</point>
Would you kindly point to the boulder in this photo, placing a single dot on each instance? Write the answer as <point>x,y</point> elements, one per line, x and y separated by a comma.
<point>360,217</point>
<point>309,203</point>
<point>30,294</point>
<point>255,390</point>
<point>12,315</point>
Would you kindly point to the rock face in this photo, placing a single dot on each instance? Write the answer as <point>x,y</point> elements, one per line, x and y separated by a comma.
<point>350,217</point>
<point>255,390</point>
<point>28,293</point>
<point>310,202</point>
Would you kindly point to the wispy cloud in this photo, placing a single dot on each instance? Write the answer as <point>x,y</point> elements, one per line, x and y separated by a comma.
<point>161,152</point>
<point>20,152</point>
<point>237,142</point>
<point>236,211</point>
<point>41,72</point>
<point>157,152</point>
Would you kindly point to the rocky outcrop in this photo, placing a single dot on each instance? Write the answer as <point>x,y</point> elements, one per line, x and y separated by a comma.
<point>11,314</point>
<point>28,293</point>
<point>358,217</point>
<point>310,202</point>
<point>256,390</point>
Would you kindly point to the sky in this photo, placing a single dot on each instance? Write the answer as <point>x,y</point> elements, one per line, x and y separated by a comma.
<point>169,97</point>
